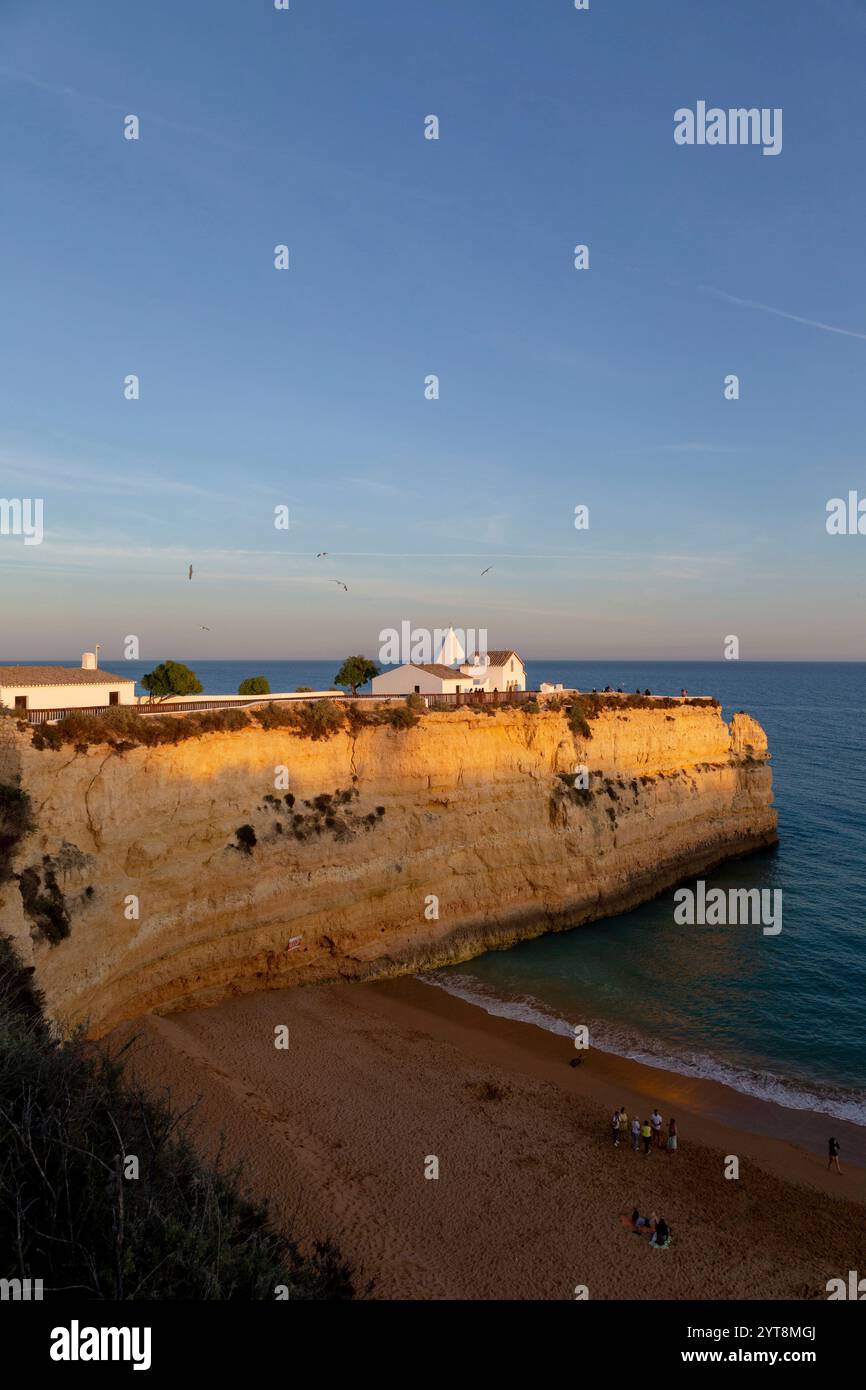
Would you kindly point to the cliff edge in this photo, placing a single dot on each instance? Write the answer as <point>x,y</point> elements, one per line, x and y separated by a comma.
<point>161,878</point>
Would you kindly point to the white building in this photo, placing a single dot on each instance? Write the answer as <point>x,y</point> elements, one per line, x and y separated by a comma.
<point>64,687</point>
<point>427,678</point>
<point>500,670</point>
<point>453,674</point>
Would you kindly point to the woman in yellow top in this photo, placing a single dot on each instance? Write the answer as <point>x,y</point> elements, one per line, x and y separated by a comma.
<point>647,1136</point>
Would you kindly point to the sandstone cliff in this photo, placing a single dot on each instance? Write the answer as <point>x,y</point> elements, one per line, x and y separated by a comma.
<point>229,863</point>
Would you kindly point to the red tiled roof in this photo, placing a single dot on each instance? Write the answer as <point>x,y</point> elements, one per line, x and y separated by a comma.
<point>58,675</point>
<point>499,658</point>
<point>434,669</point>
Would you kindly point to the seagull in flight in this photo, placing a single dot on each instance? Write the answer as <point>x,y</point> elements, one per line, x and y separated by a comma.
<point>203,628</point>
<point>322,553</point>
<point>487,571</point>
<point>342,585</point>
<point>190,571</point>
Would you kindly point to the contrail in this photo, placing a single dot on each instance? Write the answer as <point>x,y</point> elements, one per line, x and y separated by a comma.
<point>780,313</point>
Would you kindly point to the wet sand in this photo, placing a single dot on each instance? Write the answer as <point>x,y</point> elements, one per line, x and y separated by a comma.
<point>379,1079</point>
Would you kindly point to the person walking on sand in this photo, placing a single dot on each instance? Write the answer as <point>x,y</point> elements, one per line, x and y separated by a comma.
<point>834,1155</point>
<point>656,1122</point>
<point>635,1134</point>
<point>647,1135</point>
<point>623,1124</point>
<point>614,1124</point>
<point>672,1137</point>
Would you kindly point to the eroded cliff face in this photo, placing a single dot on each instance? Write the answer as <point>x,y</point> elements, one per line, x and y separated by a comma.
<point>230,858</point>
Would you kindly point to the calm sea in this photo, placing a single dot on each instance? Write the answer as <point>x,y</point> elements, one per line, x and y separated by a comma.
<point>781,1017</point>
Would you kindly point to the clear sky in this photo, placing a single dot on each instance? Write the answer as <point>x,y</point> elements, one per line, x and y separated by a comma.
<point>410,257</point>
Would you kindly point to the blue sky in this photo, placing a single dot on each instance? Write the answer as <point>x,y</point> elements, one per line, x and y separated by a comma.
<point>411,257</point>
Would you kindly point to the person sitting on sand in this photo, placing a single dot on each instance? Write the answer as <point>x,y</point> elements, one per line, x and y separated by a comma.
<point>647,1135</point>
<point>635,1134</point>
<point>661,1236</point>
<point>835,1146</point>
<point>647,691</point>
<point>672,1137</point>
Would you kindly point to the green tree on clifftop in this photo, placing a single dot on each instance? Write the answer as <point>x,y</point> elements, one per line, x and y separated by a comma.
<point>255,685</point>
<point>355,671</point>
<point>171,678</point>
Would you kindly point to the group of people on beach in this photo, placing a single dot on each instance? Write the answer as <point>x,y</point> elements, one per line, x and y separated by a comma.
<point>650,1132</point>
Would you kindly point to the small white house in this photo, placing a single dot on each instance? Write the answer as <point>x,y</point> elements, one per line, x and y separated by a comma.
<point>431,678</point>
<point>493,671</point>
<point>63,687</point>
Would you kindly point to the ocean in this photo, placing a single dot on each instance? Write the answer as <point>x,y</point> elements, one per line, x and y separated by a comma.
<point>782,1018</point>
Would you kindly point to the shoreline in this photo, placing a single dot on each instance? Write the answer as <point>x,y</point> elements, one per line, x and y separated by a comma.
<point>716,1112</point>
<point>338,1131</point>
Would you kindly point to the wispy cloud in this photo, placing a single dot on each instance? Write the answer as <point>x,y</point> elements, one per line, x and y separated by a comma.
<point>780,313</point>
<point>129,480</point>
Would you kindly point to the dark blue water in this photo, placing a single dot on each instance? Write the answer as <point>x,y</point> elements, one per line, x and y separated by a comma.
<point>782,1017</point>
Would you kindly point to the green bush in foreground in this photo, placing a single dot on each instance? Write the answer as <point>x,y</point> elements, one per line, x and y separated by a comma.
<point>69,1215</point>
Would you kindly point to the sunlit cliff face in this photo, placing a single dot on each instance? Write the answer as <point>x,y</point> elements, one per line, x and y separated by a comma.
<point>161,878</point>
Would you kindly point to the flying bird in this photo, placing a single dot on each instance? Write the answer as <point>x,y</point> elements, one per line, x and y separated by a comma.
<point>342,585</point>
<point>487,571</point>
<point>190,571</point>
<point>322,553</point>
<point>203,628</point>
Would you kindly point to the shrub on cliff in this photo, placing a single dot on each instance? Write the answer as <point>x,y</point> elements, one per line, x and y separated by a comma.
<point>71,1215</point>
<point>255,685</point>
<point>577,719</point>
<point>403,716</point>
<point>319,719</point>
<point>123,728</point>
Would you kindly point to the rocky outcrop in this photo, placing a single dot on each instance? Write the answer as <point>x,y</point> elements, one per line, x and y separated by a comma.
<point>155,878</point>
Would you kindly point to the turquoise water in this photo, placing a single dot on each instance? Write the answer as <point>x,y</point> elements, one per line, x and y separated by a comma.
<point>780,1017</point>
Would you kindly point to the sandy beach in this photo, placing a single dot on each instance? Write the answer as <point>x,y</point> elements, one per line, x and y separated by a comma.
<point>337,1129</point>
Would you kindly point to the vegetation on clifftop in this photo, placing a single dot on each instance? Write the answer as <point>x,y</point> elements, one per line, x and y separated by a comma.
<point>124,727</point>
<point>73,1215</point>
